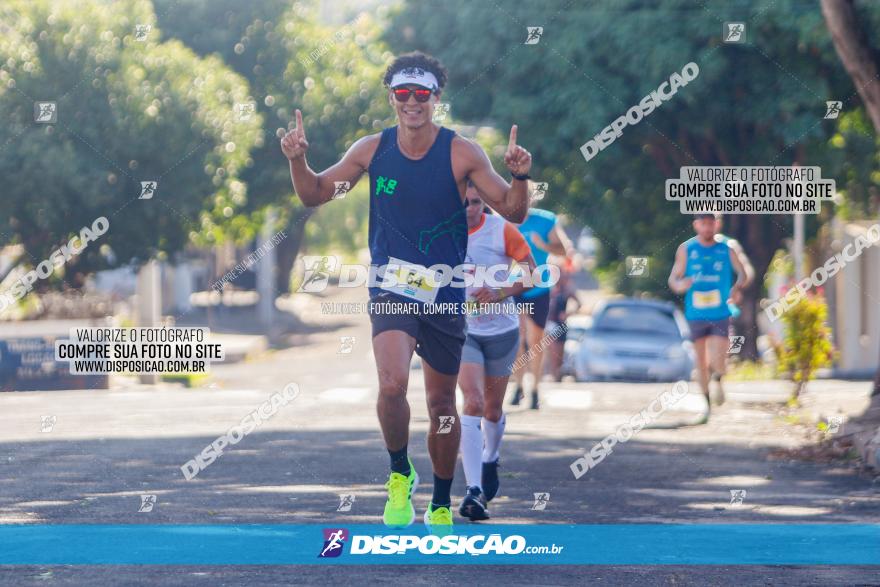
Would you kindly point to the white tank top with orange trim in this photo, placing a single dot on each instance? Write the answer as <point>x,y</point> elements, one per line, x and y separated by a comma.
<point>486,247</point>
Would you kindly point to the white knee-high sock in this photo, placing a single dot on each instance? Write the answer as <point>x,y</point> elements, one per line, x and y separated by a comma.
<point>492,433</point>
<point>471,447</point>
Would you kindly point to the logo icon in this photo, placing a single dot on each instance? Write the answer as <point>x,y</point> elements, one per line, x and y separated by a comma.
<point>737,496</point>
<point>334,539</point>
<point>538,190</point>
<point>148,190</point>
<point>340,189</point>
<point>345,503</point>
<point>346,345</point>
<point>833,108</point>
<point>245,110</point>
<point>385,185</point>
<point>147,503</point>
<point>533,36</point>
<point>736,344</point>
<point>734,32</point>
<point>446,423</point>
<point>441,109</point>
<point>834,424</point>
<point>637,266</point>
<point>47,423</point>
<point>45,112</point>
<point>317,272</point>
<point>412,72</point>
<point>141,31</point>
<point>541,501</point>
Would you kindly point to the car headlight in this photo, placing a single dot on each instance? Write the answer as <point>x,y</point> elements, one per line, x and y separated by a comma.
<point>675,353</point>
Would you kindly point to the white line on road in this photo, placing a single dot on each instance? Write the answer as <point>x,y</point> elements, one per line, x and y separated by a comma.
<point>347,395</point>
<point>576,399</point>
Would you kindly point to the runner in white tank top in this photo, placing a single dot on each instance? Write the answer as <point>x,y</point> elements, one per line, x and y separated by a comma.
<point>489,350</point>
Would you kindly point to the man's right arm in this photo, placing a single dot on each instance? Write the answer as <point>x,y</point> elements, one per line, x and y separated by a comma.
<point>677,282</point>
<point>313,188</point>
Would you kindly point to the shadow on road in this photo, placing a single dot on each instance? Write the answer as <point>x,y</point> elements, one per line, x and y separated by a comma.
<point>298,477</point>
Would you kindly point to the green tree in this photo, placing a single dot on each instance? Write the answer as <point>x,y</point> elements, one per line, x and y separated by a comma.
<point>292,60</point>
<point>853,28</point>
<point>756,103</point>
<point>128,111</point>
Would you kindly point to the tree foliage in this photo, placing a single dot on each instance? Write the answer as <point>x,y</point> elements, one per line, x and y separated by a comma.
<point>292,60</point>
<point>127,111</point>
<point>761,102</point>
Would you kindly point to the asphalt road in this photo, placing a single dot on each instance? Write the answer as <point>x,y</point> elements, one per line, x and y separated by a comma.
<point>107,448</point>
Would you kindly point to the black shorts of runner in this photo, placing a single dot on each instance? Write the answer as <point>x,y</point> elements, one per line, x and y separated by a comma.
<point>703,328</point>
<point>540,308</point>
<point>439,337</point>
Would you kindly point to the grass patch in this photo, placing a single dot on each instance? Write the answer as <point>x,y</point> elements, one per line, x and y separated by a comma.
<point>750,371</point>
<point>188,379</point>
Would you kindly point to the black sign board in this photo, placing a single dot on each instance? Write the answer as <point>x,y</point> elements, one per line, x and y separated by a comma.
<point>28,364</point>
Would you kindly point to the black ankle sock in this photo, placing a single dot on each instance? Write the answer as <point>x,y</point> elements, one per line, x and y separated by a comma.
<point>442,488</point>
<point>399,461</point>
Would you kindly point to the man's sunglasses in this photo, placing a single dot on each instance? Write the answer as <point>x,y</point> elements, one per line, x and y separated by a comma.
<point>403,94</point>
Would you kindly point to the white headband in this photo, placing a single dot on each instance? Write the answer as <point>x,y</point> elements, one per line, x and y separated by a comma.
<point>414,75</point>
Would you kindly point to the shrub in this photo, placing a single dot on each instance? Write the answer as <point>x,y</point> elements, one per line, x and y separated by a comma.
<point>807,343</point>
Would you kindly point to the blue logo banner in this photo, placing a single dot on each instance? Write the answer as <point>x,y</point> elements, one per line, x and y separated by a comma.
<point>352,544</point>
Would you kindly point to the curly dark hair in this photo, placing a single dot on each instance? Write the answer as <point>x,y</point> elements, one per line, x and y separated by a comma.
<point>416,59</point>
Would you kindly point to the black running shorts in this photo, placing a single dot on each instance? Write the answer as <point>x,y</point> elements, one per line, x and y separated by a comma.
<point>540,308</point>
<point>439,337</point>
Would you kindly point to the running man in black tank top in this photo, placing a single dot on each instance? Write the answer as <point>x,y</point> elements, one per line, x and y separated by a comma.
<point>418,174</point>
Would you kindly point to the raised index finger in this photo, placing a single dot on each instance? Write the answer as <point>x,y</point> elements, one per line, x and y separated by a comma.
<point>512,142</point>
<point>299,123</point>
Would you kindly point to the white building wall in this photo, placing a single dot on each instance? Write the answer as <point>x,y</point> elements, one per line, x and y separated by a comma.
<point>856,306</point>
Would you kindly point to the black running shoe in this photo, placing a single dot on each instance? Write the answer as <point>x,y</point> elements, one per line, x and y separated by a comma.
<point>473,506</point>
<point>536,404</point>
<point>490,480</point>
<point>517,396</point>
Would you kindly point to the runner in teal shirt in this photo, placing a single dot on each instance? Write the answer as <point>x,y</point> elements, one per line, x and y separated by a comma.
<point>703,272</point>
<point>542,231</point>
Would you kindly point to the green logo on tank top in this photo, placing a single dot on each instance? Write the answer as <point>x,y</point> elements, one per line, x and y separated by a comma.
<point>385,185</point>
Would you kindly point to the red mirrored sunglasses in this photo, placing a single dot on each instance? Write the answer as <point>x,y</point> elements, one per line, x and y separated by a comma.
<point>403,94</point>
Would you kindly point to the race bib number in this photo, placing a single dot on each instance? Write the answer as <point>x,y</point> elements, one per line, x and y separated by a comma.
<point>413,281</point>
<point>707,299</point>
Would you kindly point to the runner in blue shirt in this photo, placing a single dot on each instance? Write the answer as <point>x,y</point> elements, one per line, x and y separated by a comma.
<point>703,272</point>
<point>545,237</point>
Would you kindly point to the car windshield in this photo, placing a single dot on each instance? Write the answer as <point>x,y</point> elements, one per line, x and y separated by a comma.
<point>631,318</point>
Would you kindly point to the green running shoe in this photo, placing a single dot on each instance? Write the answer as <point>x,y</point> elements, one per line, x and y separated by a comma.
<point>438,521</point>
<point>399,511</point>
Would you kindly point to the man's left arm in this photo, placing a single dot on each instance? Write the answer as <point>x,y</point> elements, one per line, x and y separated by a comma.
<point>557,243</point>
<point>510,200</point>
<point>745,273</point>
